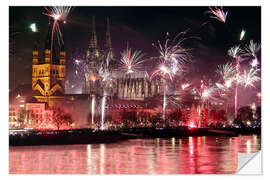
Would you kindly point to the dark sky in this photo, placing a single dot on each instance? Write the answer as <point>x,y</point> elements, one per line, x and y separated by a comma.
<point>140,26</point>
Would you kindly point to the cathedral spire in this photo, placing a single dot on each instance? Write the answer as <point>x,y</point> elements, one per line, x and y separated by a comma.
<point>108,42</point>
<point>93,41</point>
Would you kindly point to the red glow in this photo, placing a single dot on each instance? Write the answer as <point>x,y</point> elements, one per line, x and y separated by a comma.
<point>191,125</point>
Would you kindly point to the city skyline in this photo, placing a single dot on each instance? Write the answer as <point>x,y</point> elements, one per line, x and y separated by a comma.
<point>77,34</point>
<point>133,90</point>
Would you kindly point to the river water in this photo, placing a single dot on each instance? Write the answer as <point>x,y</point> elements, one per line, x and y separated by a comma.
<point>189,155</point>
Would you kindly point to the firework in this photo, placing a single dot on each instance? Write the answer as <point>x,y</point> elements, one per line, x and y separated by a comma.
<point>207,93</point>
<point>131,62</point>
<point>254,63</point>
<point>79,66</point>
<point>33,27</point>
<point>107,82</point>
<point>163,71</point>
<point>164,103</point>
<point>235,51</point>
<point>259,95</point>
<point>172,57</point>
<point>174,100</point>
<point>107,78</point>
<point>93,108</point>
<point>172,61</point>
<point>250,77</point>
<point>252,49</point>
<point>58,14</point>
<point>218,14</point>
<point>227,72</point>
<point>243,32</point>
<point>184,86</point>
<point>103,105</point>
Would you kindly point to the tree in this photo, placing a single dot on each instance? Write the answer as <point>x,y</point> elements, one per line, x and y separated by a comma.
<point>60,119</point>
<point>22,117</point>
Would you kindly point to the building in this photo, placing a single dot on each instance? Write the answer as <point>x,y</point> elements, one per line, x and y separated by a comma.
<point>96,56</point>
<point>49,72</point>
<point>37,115</point>
<point>17,113</point>
<point>135,86</point>
<point>13,123</point>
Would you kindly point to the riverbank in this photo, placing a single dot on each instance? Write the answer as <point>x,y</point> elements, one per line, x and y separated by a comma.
<point>88,136</point>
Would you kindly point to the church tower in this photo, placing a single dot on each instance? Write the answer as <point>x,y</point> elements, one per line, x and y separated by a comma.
<point>48,77</point>
<point>93,51</point>
<point>97,57</point>
<point>108,42</point>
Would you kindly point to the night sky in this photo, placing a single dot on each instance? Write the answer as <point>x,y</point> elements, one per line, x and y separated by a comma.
<point>140,27</point>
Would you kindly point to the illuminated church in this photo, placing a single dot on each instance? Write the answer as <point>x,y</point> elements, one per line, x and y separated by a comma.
<point>49,72</point>
<point>136,86</point>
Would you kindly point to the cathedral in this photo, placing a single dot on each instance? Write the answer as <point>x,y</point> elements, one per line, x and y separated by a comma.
<point>134,86</point>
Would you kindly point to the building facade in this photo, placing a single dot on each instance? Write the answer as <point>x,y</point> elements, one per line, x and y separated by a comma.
<point>137,86</point>
<point>133,86</point>
<point>48,74</point>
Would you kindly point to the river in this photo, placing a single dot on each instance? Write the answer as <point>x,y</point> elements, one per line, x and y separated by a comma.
<point>189,155</point>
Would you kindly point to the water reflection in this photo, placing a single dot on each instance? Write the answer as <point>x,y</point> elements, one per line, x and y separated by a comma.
<point>189,155</point>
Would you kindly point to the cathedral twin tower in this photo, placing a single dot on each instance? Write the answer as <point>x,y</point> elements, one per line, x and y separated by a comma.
<point>130,87</point>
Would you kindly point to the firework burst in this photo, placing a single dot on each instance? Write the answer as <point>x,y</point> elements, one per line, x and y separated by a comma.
<point>208,93</point>
<point>163,71</point>
<point>131,62</point>
<point>218,14</point>
<point>250,78</point>
<point>227,72</point>
<point>251,51</point>
<point>173,56</point>
<point>107,83</point>
<point>185,86</point>
<point>235,51</point>
<point>172,61</point>
<point>58,14</point>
